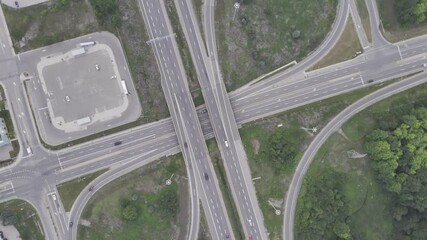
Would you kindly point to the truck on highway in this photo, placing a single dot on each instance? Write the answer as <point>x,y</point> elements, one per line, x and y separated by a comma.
<point>86,44</point>
<point>125,89</point>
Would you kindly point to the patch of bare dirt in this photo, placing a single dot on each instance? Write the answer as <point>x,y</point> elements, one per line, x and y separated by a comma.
<point>255,145</point>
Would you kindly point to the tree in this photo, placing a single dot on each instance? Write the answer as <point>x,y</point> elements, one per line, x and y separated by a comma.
<point>414,191</point>
<point>411,12</point>
<point>280,149</point>
<point>342,230</point>
<point>106,11</point>
<point>129,213</point>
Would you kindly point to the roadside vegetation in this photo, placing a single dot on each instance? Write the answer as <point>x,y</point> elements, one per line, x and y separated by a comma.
<point>69,191</point>
<point>218,164</point>
<point>55,21</point>
<point>347,47</point>
<point>403,19</point>
<point>5,114</point>
<point>275,144</point>
<point>23,217</point>
<point>367,181</point>
<point>265,35</point>
<point>140,205</point>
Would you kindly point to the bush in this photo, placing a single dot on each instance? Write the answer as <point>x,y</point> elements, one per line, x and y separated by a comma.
<point>129,213</point>
<point>107,12</point>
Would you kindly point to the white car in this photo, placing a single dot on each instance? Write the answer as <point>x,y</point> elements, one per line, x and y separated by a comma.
<point>226,143</point>
<point>54,197</point>
<point>97,67</point>
<point>67,98</point>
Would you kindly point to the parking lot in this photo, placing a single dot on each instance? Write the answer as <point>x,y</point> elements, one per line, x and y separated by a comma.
<point>77,89</point>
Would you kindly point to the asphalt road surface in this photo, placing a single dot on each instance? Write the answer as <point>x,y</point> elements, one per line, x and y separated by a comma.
<point>35,178</point>
<point>224,126</point>
<point>333,126</point>
<point>184,118</point>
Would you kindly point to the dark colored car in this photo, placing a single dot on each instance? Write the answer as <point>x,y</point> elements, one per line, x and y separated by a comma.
<point>17,4</point>
<point>206,177</point>
<point>71,224</point>
<point>117,143</point>
<point>204,110</point>
<point>185,144</point>
<point>370,81</point>
<point>91,188</point>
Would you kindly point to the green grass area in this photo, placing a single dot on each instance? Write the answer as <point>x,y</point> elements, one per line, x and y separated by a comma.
<point>160,211</point>
<point>44,24</point>
<point>218,164</point>
<point>24,217</point>
<point>5,114</point>
<point>29,30</point>
<point>15,150</point>
<point>346,48</point>
<point>273,184</point>
<point>265,35</point>
<point>184,51</point>
<point>394,32</point>
<point>364,16</point>
<point>69,191</point>
<point>204,233</point>
<point>369,207</point>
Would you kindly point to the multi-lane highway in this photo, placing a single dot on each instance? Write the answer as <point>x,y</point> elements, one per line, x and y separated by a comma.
<point>185,121</point>
<point>34,177</point>
<point>224,125</point>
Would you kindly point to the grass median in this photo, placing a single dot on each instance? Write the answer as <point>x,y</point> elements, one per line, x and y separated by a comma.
<point>23,217</point>
<point>69,191</point>
<point>275,144</point>
<point>140,205</point>
<point>261,36</point>
<point>347,47</point>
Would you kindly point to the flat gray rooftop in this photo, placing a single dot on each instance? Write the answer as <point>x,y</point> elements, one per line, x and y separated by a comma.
<point>77,90</point>
<point>69,96</point>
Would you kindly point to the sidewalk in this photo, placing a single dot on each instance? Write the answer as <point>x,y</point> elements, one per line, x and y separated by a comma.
<point>21,3</point>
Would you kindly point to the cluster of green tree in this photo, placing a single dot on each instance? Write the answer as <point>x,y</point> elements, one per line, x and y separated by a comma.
<point>168,201</point>
<point>399,158</point>
<point>324,211</point>
<point>280,149</point>
<point>128,209</point>
<point>410,11</point>
<point>107,12</point>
